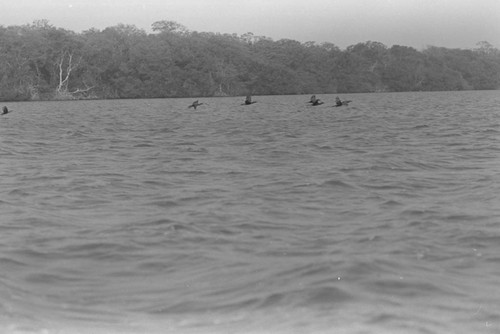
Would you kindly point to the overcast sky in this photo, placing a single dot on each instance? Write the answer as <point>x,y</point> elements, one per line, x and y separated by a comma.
<point>417,23</point>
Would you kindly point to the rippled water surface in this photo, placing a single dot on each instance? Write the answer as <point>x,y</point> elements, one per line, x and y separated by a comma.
<point>144,216</point>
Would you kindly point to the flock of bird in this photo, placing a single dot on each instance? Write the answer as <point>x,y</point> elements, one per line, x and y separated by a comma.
<point>338,102</point>
<point>197,103</point>
<point>248,100</point>
<point>313,101</point>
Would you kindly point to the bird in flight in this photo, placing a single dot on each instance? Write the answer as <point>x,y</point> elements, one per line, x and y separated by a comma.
<point>248,100</point>
<point>195,104</point>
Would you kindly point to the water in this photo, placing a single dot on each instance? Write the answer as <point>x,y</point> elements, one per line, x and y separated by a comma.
<point>143,216</point>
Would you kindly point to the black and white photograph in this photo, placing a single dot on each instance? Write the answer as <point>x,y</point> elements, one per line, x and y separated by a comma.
<point>250,167</point>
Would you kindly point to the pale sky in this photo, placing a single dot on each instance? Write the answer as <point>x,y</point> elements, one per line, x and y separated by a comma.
<point>416,23</point>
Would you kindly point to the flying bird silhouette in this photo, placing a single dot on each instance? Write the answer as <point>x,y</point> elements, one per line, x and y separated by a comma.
<point>195,104</point>
<point>248,100</point>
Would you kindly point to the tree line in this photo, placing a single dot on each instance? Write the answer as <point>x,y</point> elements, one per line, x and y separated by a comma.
<point>41,62</point>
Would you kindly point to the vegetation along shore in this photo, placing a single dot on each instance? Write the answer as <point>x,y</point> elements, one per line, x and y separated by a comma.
<point>41,62</point>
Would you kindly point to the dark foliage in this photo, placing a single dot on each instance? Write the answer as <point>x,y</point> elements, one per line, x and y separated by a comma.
<point>39,61</point>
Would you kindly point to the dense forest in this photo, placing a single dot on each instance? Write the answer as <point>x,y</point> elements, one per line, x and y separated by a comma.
<point>41,62</point>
